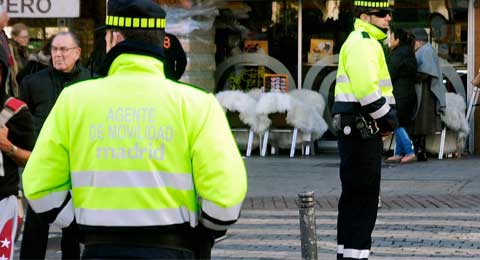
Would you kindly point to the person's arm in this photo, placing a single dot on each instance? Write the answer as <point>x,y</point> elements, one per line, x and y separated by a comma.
<point>19,155</point>
<point>218,169</point>
<point>46,177</point>
<point>363,69</point>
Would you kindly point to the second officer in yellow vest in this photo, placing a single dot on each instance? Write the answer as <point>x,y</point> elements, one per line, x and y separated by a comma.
<point>146,166</point>
<point>363,111</point>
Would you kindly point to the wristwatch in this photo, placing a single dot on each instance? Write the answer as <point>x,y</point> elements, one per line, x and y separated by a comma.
<point>12,151</point>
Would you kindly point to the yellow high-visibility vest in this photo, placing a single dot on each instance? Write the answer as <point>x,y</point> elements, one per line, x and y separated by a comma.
<point>137,149</point>
<point>363,82</point>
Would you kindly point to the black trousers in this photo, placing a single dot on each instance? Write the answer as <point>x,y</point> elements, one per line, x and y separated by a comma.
<point>360,173</point>
<point>35,239</point>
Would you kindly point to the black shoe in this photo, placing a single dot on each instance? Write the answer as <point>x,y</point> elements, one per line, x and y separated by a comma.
<point>422,156</point>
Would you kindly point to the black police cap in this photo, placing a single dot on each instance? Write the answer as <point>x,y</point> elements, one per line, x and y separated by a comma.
<point>135,14</point>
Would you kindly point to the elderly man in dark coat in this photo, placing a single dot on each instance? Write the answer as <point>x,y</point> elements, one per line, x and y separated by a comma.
<point>430,91</point>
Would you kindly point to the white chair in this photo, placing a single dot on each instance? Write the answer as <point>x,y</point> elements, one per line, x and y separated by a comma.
<point>456,121</point>
<point>306,114</point>
<point>240,112</point>
<point>271,110</point>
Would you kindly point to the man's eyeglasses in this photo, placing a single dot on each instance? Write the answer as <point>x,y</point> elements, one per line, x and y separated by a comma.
<point>381,13</point>
<point>62,50</point>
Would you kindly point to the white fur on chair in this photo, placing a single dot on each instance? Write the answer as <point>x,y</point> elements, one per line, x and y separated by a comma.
<point>269,103</point>
<point>237,101</point>
<point>304,110</point>
<point>454,119</point>
<point>244,104</point>
<point>454,116</point>
<point>307,111</point>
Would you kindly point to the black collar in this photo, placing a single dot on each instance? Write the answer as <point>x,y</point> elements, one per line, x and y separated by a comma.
<point>133,47</point>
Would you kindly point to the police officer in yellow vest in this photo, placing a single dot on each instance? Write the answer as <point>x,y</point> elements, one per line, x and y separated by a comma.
<point>146,166</point>
<point>363,111</point>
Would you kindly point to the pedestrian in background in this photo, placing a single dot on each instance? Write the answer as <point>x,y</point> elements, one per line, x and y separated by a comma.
<point>19,46</point>
<point>430,89</point>
<point>16,142</point>
<point>11,86</point>
<point>148,167</point>
<point>402,66</point>
<point>40,91</point>
<point>363,112</point>
<point>36,61</point>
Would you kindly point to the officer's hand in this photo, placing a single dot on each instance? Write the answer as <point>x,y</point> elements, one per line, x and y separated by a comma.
<point>388,122</point>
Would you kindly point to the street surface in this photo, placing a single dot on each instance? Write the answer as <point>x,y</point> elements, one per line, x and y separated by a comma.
<point>431,210</point>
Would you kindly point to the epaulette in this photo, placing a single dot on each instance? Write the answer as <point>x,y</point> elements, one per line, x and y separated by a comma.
<point>365,35</point>
<point>10,108</point>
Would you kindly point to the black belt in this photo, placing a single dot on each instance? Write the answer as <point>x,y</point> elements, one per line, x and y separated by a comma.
<point>355,125</point>
<point>169,240</point>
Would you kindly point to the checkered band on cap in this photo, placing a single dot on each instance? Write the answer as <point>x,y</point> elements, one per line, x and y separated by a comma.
<point>373,4</point>
<point>135,22</point>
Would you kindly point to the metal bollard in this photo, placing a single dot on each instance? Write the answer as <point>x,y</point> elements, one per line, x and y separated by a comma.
<point>308,230</point>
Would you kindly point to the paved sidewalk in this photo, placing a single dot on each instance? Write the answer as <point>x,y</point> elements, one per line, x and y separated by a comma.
<point>274,182</point>
<point>430,234</point>
<point>431,210</point>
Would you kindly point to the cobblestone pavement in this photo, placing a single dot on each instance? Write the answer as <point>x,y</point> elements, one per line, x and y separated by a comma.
<point>431,210</point>
<point>399,234</point>
<point>404,201</point>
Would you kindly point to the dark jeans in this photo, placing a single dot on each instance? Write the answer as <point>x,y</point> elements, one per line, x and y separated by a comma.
<point>35,239</point>
<point>360,172</point>
<point>122,251</point>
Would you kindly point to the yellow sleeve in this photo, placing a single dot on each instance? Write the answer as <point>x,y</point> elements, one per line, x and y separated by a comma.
<point>218,169</point>
<point>46,178</point>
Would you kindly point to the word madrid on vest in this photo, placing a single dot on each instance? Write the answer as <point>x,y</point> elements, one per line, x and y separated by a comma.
<point>42,8</point>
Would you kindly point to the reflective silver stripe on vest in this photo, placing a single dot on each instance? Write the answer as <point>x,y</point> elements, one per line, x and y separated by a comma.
<point>132,179</point>
<point>135,218</point>
<point>223,214</point>
<point>371,98</point>
<point>209,224</point>
<point>65,217</point>
<point>343,79</point>
<point>345,98</point>
<point>381,111</point>
<point>49,202</point>
<point>385,83</point>
<point>390,100</point>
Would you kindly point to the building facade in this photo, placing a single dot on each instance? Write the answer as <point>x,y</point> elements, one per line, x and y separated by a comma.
<point>236,44</point>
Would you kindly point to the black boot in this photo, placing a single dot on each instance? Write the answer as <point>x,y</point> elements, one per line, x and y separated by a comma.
<point>420,151</point>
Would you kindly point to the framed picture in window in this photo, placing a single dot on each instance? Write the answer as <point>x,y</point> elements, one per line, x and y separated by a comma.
<point>256,46</point>
<point>275,83</point>
<point>320,48</point>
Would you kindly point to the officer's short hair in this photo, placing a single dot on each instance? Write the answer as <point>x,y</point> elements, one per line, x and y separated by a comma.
<point>154,37</point>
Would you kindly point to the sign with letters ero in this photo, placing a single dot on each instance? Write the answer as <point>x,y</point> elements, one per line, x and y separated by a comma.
<point>42,8</point>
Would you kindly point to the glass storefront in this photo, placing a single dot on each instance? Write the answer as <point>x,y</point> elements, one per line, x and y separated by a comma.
<point>234,44</point>
<point>258,37</point>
